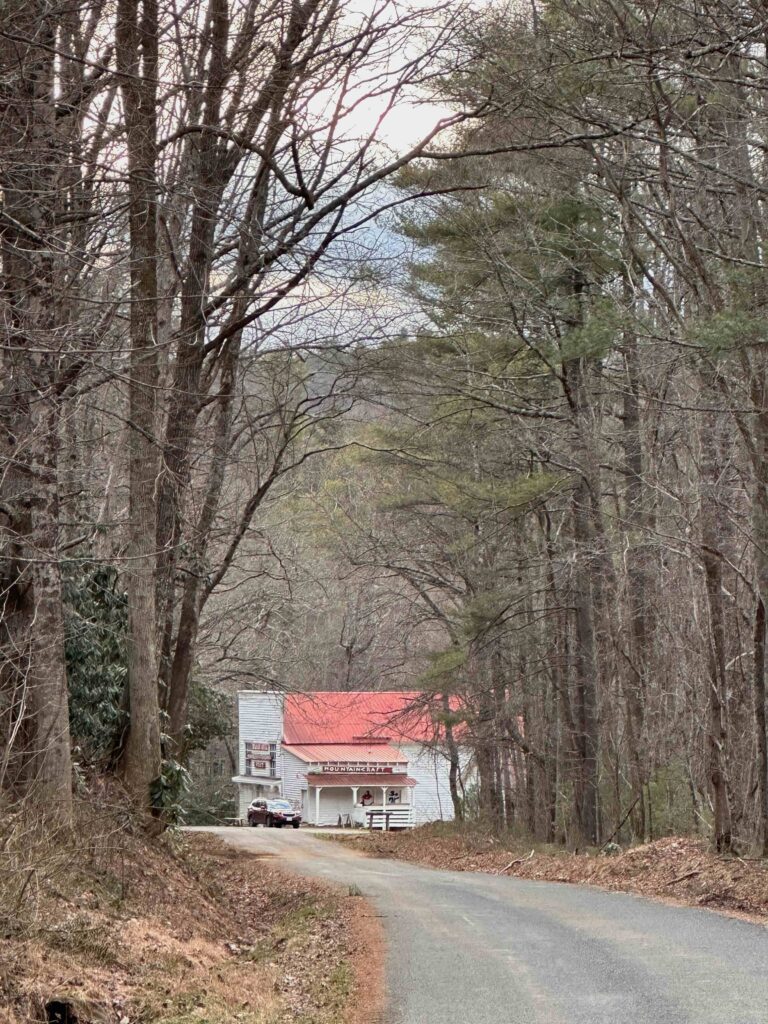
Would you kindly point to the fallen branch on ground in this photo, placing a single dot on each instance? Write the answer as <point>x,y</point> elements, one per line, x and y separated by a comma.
<point>512,863</point>
<point>682,878</point>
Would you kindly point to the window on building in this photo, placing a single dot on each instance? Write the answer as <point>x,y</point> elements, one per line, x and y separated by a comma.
<point>261,759</point>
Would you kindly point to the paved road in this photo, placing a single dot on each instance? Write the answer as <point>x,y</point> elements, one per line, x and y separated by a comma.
<point>479,949</point>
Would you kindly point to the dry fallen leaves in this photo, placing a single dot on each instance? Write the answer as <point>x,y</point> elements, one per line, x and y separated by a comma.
<point>676,867</point>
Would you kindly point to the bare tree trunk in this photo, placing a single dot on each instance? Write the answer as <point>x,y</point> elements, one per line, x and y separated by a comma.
<point>586,671</point>
<point>711,537</point>
<point>585,581</point>
<point>569,765</point>
<point>33,663</point>
<point>136,50</point>
<point>49,706</point>
<point>189,620</point>
<point>454,768</point>
<point>760,730</point>
<point>216,163</point>
<point>760,519</point>
<point>486,749</point>
<point>638,573</point>
<point>755,432</point>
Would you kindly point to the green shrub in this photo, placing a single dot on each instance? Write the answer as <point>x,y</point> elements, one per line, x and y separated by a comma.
<point>95,646</point>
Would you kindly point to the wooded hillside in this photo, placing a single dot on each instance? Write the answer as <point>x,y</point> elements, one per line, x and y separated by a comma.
<point>290,401</point>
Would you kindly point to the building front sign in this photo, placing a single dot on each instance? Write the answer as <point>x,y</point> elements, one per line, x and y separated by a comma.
<point>346,769</point>
<point>261,759</point>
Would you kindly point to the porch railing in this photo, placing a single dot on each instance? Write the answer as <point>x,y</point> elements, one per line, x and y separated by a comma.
<point>389,816</point>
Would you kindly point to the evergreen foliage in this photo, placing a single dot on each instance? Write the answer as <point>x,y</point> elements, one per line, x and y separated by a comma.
<point>96,624</point>
<point>211,717</point>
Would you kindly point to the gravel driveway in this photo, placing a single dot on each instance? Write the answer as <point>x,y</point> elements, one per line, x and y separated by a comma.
<point>478,949</point>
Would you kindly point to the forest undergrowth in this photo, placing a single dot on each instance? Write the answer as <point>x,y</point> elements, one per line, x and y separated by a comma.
<point>101,925</point>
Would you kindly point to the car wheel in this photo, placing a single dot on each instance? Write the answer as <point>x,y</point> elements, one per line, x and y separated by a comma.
<point>278,824</point>
<point>270,823</point>
<point>252,823</point>
<point>296,824</point>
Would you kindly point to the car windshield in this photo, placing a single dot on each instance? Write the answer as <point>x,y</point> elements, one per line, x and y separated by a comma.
<point>280,805</point>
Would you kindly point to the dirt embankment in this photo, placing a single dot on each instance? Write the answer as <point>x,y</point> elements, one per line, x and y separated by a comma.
<point>103,927</point>
<point>675,869</point>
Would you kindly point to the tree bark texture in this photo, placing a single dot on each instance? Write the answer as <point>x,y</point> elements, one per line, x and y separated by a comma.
<point>33,670</point>
<point>136,38</point>
<point>711,534</point>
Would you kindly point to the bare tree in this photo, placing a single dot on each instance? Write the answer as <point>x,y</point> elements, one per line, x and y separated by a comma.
<point>136,47</point>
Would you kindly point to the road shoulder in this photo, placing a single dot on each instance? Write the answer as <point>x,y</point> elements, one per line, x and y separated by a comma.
<point>676,870</point>
<point>321,943</point>
<point>108,926</point>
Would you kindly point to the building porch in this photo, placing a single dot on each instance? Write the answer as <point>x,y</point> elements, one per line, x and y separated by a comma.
<point>360,800</point>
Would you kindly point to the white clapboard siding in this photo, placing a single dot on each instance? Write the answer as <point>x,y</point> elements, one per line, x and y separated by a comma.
<point>431,769</point>
<point>294,772</point>
<point>334,802</point>
<point>260,721</point>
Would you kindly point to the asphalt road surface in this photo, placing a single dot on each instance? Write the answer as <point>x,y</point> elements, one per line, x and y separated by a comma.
<point>479,949</point>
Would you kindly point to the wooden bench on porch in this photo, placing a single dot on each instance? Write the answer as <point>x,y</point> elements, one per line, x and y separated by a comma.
<point>389,817</point>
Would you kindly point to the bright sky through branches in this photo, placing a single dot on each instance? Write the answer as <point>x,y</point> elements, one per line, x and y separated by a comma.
<point>398,118</point>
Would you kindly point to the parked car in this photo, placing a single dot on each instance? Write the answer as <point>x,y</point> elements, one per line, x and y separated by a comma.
<point>273,813</point>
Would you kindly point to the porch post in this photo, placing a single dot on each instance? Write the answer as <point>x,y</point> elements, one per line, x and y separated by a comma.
<point>317,804</point>
<point>385,826</point>
<point>354,803</point>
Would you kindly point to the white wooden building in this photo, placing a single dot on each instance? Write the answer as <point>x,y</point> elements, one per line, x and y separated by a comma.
<point>353,757</point>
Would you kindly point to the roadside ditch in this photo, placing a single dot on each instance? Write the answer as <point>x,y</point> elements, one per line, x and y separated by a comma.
<point>103,926</point>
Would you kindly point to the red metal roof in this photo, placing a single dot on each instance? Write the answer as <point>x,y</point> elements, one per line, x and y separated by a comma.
<point>370,752</point>
<point>349,716</point>
<point>359,779</point>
